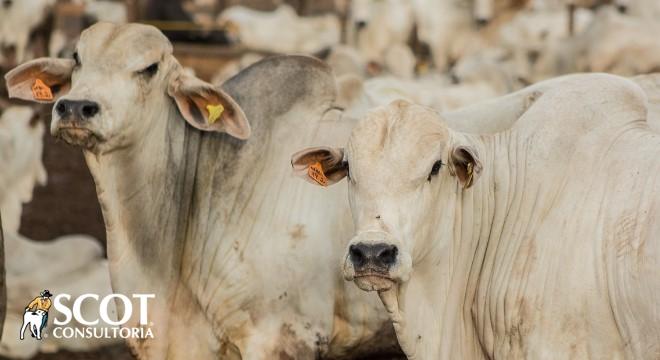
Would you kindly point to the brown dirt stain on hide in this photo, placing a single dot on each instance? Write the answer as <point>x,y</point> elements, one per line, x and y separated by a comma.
<point>290,348</point>
<point>297,233</point>
<point>519,328</point>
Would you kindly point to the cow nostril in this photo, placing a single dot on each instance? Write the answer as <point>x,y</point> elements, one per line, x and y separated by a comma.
<point>356,254</point>
<point>90,110</point>
<point>60,108</point>
<point>388,255</point>
<point>482,22</point>
<point>361,24</point>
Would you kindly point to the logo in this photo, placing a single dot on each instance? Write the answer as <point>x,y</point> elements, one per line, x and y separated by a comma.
<point>104,326</point>
<point>35,316</point>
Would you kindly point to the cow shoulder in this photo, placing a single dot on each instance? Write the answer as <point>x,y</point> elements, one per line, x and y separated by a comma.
<point>275,85</point>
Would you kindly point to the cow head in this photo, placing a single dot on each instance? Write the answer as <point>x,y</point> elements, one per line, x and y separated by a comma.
<point>121,81</point>
<point>402,165</point>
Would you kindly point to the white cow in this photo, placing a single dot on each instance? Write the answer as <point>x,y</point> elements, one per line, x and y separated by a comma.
<point>32,320</point>
<point>472,80</point>
<point>536,38</point>
<point>18,18</point>
<point>448,27</point>
<point>614,43</point>
<point>197,207</point>
<point>280,31</point>
<point>538,240</point>
<point>71,264</point>
<point>379,30</point>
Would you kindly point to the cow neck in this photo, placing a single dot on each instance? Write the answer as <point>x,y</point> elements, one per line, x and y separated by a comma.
<point>142,192</point>
<point>455,245</point>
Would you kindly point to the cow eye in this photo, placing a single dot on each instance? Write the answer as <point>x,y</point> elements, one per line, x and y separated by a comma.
<point>435,169</point>
<point>344,164</point>
<point>150,70</point>
<point>76,58</point>
<point>7,3</point>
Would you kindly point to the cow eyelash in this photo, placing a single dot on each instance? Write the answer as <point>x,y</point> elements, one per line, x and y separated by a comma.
<point>435,169</point>
<point>150,70</point>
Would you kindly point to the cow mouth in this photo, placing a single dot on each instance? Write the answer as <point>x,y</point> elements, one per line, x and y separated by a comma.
<point>78,136</point>
<point>373,281</point>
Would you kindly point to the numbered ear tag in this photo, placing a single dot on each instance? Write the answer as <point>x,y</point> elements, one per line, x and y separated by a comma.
<point>315,171</point>
<point>41,91</point>
<point>215,111</point>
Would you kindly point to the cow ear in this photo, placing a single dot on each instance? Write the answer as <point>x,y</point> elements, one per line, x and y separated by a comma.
<point>465,164</point>
<point>320,165</point>
<point>206,107</point>
<point>41,80</point>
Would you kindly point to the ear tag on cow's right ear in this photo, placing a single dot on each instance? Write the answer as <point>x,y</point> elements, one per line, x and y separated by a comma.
<point>41,91</point>
<point>470,175</point>
<point>215,111</point>
<point>315,171</point>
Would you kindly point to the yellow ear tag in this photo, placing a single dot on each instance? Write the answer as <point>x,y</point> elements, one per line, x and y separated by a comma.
<point>470,176</point>
<point>215,111</point>
<point>315,171</point>
<point>41,91</point>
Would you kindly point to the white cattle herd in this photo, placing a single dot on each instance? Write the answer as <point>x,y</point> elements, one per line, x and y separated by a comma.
<point>449,214</point>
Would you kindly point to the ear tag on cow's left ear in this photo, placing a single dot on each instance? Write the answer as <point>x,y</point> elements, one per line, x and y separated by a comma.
<point>215,111</point>
<point>41,91</point>
<point>315,171</point>
<point>470,175</point>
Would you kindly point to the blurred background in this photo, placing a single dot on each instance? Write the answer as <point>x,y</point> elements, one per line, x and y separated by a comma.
<point>441,53</point>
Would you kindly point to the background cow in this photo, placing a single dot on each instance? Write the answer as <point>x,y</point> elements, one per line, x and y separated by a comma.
<point>71,264</point>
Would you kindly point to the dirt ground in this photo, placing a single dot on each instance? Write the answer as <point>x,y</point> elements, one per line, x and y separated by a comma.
<point>120,352</point>
<point>117,352</point>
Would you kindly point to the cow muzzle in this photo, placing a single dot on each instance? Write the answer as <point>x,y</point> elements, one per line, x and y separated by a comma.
<point>375,262</point>
<point>72,122</point>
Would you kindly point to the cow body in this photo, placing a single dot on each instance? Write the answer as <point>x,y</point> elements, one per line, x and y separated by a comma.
<point>280,31</point>
<point>554,256</point>
<point>538,240</point>
<point>226,251</point>
<point>197,217</point>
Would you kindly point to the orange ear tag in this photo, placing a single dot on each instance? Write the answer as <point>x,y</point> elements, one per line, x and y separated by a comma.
<point>315,171</point>
<point>41,91</point>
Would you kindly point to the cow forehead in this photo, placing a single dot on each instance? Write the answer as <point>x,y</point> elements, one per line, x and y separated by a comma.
<point>123,46</point>
<point>401,137</point>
